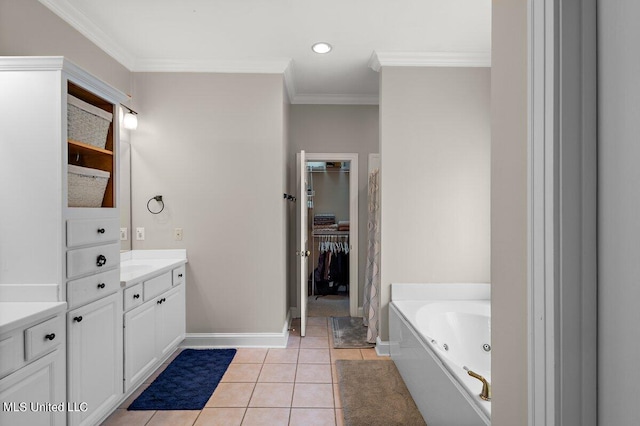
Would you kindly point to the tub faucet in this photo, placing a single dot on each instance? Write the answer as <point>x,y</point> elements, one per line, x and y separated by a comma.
<point>485,394</point>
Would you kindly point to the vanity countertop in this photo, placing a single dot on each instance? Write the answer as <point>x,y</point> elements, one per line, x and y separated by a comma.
<point>139,265</point>
<point>17,314</point>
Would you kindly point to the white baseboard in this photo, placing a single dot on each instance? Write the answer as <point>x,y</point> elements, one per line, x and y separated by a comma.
<point>238,340</point>
<point>382,348</point>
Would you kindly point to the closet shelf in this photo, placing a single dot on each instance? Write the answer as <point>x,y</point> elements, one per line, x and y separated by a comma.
<point>323,233</point>
<point>84,148</point>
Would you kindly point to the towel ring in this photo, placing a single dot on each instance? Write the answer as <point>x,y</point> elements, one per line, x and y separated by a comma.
<point>158,198</point>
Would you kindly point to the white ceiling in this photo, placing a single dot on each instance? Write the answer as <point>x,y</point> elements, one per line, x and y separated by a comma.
<point>275,36</point>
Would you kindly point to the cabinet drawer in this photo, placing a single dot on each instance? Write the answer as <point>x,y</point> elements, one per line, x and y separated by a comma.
<point>92,231</point>
<point>132,296</point>
<point>11,354</point>
<point>43,337</point>
<point>178,275</point>
<point>157,285</point>
<point>93,287</point>
<point>92,259</point>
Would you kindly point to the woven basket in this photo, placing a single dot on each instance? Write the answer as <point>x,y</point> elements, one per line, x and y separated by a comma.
<point>86,186</point>
<point>87,123</point>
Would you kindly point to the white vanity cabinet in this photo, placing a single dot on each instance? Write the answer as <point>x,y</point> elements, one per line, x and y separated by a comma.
<point>95,358</point>
<point>139,342</point>
<point>170,317</point>
<point>32,378</point>
<point>155,327</point>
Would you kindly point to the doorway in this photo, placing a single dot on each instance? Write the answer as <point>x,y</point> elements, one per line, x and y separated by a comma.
<point>328,225</point>
<point>331,189</point>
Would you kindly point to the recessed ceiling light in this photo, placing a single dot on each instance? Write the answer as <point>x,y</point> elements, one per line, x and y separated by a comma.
<point>321,47</point>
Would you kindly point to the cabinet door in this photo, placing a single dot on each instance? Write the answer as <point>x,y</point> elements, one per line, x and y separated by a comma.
<point>24,393</point>
<point>171,320</point>
<point>95,358</point>
<point>139,343</point>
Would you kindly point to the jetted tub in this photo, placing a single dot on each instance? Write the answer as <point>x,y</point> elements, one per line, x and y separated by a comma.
<point>437,333</point>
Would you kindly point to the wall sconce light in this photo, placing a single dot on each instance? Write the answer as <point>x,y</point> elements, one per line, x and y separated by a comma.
<point>130,120</point>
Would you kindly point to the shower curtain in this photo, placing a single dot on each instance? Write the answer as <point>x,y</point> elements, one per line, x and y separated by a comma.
<point>372,274</point>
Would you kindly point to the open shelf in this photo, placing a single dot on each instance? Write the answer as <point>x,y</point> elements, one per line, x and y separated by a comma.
<point>85,148</point>
<point>90,156</point>
<point>85,155</point>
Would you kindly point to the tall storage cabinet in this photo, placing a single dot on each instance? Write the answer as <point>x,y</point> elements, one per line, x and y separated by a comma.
<point>95,358</point>
<point>60,224</point>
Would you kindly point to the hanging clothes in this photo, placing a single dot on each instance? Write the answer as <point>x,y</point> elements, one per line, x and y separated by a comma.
<point>333,265</point>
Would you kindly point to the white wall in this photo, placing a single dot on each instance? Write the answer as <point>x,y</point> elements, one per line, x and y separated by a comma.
<point>334,128</point>
<point>618,209</point>
<point>213,146</point>
<point>435,187</point>
<point>509,213</point>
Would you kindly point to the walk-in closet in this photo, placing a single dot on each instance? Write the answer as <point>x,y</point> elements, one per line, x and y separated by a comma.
<point>329,228</point>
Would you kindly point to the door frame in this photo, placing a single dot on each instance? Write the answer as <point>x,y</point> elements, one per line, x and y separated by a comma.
<point>354,288</point>
<point>562,198</point>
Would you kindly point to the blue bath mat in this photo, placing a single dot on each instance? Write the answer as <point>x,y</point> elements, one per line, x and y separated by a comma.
<point>188,382</point>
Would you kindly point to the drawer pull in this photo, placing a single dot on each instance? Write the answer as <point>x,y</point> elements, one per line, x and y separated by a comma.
<point>162,300</point>
<point>50,336</point>
<point>78,319</point>
<point>136,296</point>
<point>159,302</point>
<point>101,260</point>
<point>101,285</point>
<point>179,275</point>
<point>100,230</point>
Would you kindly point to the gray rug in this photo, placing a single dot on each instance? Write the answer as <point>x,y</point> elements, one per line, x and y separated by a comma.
<point>373,394</point>
<point>349,333</point>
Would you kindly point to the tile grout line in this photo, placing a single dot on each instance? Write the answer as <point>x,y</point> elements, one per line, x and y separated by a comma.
<point>332,382</point>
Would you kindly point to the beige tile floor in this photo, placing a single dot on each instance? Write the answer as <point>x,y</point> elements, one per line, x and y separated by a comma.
<point>294,386</point>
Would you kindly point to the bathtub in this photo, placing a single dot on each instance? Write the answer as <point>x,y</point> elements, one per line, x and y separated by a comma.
<point>437,332</point>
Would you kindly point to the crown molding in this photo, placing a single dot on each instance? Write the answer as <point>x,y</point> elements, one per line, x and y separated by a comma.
<point>70,69</point>
<point>87,80</point>
<point>322,99</point>
<point>31,63</point>
<point>82,24</point>
<point>268,66</point>
<point>429,59</point>
<point>334,99</point>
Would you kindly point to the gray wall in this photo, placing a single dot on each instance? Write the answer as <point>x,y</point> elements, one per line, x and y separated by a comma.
<point>334,128</point>
<point>213,146</point>
<point>618,210</point>
<point>509,213</point>
<point>435,152</point>
<point>27,28</point>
